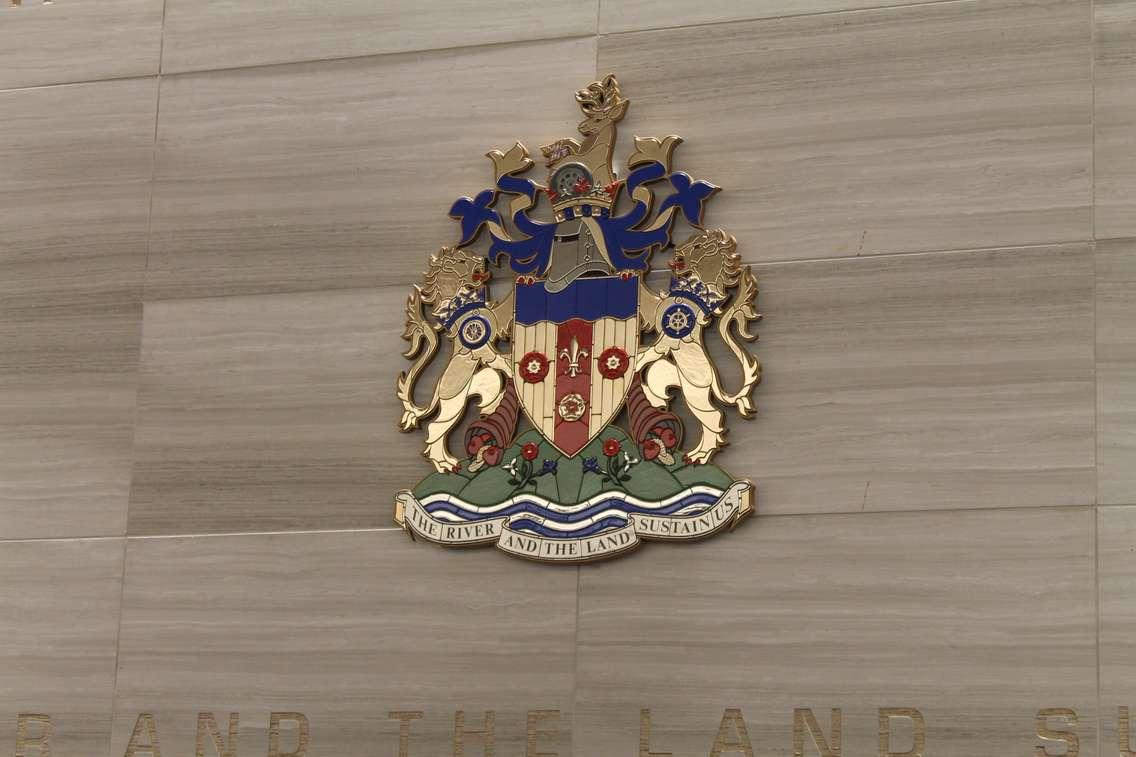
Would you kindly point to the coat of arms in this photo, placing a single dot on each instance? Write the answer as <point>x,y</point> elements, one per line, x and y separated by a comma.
<point>574,454</point>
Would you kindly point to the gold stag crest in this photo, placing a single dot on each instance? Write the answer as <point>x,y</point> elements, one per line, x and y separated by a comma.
<point>575,453</point>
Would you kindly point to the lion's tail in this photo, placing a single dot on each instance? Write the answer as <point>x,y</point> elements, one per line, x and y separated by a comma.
<point>740,313</point>
<point>423,338</point>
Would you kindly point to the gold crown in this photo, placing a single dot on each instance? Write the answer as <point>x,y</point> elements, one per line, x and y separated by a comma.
<point>572,184</point>
<point>597,199</point>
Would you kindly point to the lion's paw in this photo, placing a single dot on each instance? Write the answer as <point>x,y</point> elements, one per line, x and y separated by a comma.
<point>699,456</point>
<point>446,465</point>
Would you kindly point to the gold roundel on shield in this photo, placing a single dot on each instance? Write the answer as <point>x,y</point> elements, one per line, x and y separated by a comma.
<point>572,407</point>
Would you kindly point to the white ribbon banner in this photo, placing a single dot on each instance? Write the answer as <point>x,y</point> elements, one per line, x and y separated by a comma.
<point>731,508</point>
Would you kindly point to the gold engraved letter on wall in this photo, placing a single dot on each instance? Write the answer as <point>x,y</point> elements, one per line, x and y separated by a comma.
<point>303,734</point>
<point>918,731</point>
<point>645,736</point>
<point>1123,729</point>
<point>40,742</point>
<point>486,736</point>
<point>1066,736</point>
<point>144,743</point>
<point>404,719</point>
<point>804,718</point>
<point>533,732</point>
<point>207,729</point>
<point>732,735</point>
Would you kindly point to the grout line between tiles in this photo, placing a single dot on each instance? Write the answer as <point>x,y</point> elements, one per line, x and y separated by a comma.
<point>1093,113</point>
<point>760,263</point>
<point>49,539</point>
<point>80,82</point>
<point>1096,607</point>
<point>301,62</point>
<point>117,649</point>
<point>137,379</point>
<point>914,253</point>
<point>1096,376</point>
<point>393,53</point>
<point>759,516</point>
<point>784,16</point>
<point>154,154</point>
<point>314,531</point>
<point>598,35</point>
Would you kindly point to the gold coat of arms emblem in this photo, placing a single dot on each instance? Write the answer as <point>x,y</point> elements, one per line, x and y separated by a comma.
<point>574,452</point>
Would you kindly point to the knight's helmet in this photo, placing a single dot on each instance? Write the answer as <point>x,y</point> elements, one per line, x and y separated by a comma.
<point>582,185</point>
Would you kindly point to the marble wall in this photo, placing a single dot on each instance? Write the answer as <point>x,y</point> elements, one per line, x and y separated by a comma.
<point>212,211</point>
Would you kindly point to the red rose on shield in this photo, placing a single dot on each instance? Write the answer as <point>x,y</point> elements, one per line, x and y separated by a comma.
<point>613,363</point>
<point>533,367</point>
<point>651,449</point>
<point>611,447</point>
<point>529,451</point>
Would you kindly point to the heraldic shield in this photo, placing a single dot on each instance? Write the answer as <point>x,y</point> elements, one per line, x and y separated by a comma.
<point>572,355</point>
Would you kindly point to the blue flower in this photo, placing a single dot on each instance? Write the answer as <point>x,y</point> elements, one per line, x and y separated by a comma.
<point>549,467</point>
<point>591,465</point>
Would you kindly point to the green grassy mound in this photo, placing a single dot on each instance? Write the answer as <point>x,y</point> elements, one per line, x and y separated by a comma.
<point>648,480</point>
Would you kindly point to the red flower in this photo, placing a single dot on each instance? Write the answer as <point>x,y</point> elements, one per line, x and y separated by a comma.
<point>611,447</point>
<point>529,451</point>
<point>613,363</point>
<point>492,455</point>
<point>533,367</point>
<point>581,186</point>
<point>651,449</point>
<point>612,188</point>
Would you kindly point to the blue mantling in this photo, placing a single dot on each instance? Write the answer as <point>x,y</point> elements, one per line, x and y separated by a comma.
<point>626,244</point>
